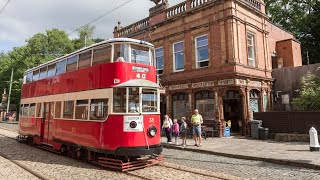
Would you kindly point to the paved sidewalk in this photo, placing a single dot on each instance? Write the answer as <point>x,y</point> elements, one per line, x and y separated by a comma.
<point>289,153</point>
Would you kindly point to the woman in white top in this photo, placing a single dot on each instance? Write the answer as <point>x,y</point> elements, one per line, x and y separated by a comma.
<point>167,124</point>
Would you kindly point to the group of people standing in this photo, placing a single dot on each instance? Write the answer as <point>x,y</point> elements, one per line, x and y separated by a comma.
<point>173,128</point>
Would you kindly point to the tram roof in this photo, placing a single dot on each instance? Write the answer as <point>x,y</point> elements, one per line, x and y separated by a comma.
<point>111,40</point>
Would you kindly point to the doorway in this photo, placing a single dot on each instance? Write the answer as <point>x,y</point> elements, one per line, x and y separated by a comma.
<point>233,111</point>
<point>47,123</point>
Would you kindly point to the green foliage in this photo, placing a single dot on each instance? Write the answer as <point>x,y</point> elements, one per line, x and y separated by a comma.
<point>309,99</point>
<point>85,37</point>
<point>301,17</point>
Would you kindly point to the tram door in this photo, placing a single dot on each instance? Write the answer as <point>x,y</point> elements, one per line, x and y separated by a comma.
<point>47,124</point>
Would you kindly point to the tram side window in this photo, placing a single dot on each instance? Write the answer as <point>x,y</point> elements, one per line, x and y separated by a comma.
<point>29,77</point>
<point>61,67</point>
<point>98,109</point>
<point>57,110</point>
<point>21,110</point>
<point>101,55</point>
<point>39,110</point>
<point>85,59</point>
<point>51,70</point>
<point>35,76</point>
<point>121,50</point>
<point>82,109</point>
<point>43,73</point>
<point>25,111</point>
<point>72,63</point>
<point>149,100</point>
<point>68,107</point>
<point>140,54</point>
<point>119,100</point>
<point>32,110</point>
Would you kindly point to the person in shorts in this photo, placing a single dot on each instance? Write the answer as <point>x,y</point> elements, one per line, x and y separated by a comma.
<point>196,121</point>
<point>183,131</point>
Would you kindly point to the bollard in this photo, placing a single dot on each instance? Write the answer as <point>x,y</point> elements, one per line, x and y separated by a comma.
<point>314,143</point>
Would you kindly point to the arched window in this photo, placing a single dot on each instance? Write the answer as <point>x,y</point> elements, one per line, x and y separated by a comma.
<point>254,100</point>
<point>204,102</point>
<point>180,105</point>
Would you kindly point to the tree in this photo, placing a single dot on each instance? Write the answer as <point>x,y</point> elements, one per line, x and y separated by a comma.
<point>309,99</point>
<point>85,37</point>
<point>299,17</point>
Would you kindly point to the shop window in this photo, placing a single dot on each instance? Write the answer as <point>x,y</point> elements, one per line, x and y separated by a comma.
<point>39,110</point>
<point>82,109</point>
<point>205,104</point>
<point>68,107</point>
<point>251,50</point>
<point>85,59</point>
<point>254,100</point>
<point>159,60</point>
<point>119,100</point>
<point>35,76</point>
<point>149,100</point>
<point>72,63</point>
<point>61,67</point>
<point>202,53</point>
<point>180,105</point>
<point>57,110</point>
<point>178,58</point>
<point>32,110</point>
<point>43,73</point>
<point>102,55</point>
<point>98,109</point>
<point>51,70</point>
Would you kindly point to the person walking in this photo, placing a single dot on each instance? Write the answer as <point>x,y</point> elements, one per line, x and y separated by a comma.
<point>167,123</point>
<point>196,121</point>
<point>183,131</point>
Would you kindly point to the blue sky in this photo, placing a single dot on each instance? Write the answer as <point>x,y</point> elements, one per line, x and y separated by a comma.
<point>21,19</point>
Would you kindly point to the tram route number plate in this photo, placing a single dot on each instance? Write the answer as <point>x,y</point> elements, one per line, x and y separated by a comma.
<point>129,119</point>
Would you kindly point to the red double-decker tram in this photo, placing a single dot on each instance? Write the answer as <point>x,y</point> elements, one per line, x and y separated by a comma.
<point>100,103</point>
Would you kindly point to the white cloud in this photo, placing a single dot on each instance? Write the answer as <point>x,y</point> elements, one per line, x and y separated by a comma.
<point>22,19</point>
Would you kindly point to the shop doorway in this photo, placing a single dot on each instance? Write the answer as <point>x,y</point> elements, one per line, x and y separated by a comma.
<point>233,111</point>
<point>163,107</point>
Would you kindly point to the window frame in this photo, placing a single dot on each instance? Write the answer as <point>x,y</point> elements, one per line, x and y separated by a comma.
<point>253,41</point>
<point>197,53</point>
<point>174,57</point>
<point>107,108</point>
<point>156,60</point>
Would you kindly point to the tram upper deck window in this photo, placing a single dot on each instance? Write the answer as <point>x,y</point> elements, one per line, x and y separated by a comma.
<point>35,76</point>
<point>140,54</point>
<point>51,70</point>
<point>72,63</point>
<point>121,52</point>
<point>102,55</point>
<point>61,67</point>
<point>119,100</point>
<point>43,73</point>
<point>85,59</point>
<point>29,77</point>
<point>149,100</point>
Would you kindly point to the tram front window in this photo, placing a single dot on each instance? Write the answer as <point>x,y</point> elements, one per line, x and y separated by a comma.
<point>121,53</point>
<point>149,100</point>
<point>140,54</point>
<point>134,100</point>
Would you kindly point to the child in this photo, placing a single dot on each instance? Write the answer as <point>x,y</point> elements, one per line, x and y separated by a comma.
<point>183,131</point>
<point>175,130</point>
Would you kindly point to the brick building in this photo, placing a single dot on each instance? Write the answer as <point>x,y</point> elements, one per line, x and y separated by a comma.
<point>216,56</point>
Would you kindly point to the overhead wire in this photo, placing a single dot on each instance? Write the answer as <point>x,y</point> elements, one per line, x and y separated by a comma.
<point>101,16</point>
<point>4,6</point>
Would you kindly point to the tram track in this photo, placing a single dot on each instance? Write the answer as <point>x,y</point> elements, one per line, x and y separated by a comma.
<point>162,167</point>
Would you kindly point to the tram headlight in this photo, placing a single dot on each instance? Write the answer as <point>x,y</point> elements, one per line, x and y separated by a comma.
<point>133,124</point>
<point>152,131</point>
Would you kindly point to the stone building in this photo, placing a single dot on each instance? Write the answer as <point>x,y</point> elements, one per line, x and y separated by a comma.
<point>216,56</point>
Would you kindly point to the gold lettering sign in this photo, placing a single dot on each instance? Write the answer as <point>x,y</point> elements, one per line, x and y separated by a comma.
<point>255,84</point>
<point>226,82</point>
<point>180,86</point>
